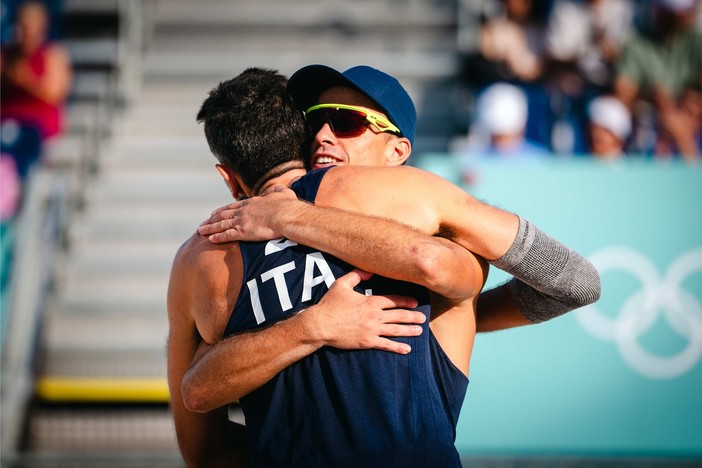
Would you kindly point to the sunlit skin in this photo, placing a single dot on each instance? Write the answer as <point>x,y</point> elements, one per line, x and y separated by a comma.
<point>372,148</point>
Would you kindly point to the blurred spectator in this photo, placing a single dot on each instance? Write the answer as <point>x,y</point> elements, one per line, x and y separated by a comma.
<point>499,127</point>
<point>609,127</point>
<point>660,64</point>
<point>35,77</point>
<point>8,10</point>
<point>584,37</point>
<point>582,41</point>
<point>682,127</point>
<point>511,43</point>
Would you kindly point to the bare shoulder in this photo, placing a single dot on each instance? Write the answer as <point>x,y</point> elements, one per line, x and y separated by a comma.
<point>360,179</point>
<point>356,188</point>
<point>206,279</point>
<point>191,250</point>
<point>200,258</point>
<point>354,172</point>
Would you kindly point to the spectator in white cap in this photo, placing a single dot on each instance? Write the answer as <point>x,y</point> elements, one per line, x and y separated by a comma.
<point>499,127</point>
<point>609,127</point>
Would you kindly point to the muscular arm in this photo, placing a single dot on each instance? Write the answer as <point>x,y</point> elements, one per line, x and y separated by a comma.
<point>478,227</point>
<point>203,438</point>
<point>343,318</point>
<point>217,378</point>
<point>383,246</point>
<point>374,243</point>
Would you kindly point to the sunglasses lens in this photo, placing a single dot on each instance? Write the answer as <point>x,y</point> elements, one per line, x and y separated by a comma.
<point>347,123</point>
<point>344,123</point>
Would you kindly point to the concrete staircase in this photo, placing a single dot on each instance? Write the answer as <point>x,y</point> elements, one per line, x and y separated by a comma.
<point>102,390</point>
<point>101,398</point>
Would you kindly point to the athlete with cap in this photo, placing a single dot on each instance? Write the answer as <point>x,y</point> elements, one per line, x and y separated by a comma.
<point>550,279</point>
<point>214,374</point>
<point>334,407</point>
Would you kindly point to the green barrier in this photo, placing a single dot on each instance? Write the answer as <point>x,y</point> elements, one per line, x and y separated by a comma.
<point>622,377</point>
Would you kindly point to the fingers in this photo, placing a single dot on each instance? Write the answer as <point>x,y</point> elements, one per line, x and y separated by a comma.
<point>394,302</point>
<point>223,214</point>
<point>353,278</point>
<point>394,330</point>
<point>397,330</point>
<point>384,344</point>
<point>223,237</point>
<point>216,226</point>
<point>230,206</point>
<point>401,316</point>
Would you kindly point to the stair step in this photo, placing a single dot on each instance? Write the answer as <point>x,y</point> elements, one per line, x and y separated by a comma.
<point>131,215</point>
<point>106,333</point>
<point>121,432</point>
<point>377,15</point>
<point>67,363</point>
<point>97,305</point>
<point>138,287</point>
<point>431,64</point>
<point>135,264</point>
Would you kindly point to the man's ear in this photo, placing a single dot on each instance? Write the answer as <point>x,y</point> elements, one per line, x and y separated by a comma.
<point>232,181</point>
<point>399,151</point>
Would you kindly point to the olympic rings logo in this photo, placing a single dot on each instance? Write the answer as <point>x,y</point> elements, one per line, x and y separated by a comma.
<point>681,309</point>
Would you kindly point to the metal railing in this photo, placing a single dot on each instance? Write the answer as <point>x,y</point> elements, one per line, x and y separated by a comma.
<point>39,238</point>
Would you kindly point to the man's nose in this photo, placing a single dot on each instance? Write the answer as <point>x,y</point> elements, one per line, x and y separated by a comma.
<point>325,134</point>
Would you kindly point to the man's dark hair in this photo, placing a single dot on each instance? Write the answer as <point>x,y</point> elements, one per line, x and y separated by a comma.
<point>253,126</point>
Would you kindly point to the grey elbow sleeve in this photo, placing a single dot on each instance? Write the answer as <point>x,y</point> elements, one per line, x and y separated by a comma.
<point>550,279</point>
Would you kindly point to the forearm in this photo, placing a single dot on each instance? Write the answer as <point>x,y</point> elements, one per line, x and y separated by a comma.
<point>496,310</point>
<point>381,245</point>
<point>208,443</point>
<point>242,363</point>
<point>343,319</point>
<point>483,229</point>
<point>203,439</point>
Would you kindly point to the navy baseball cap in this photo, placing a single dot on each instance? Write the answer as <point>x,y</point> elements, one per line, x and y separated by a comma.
<point>306,85</point>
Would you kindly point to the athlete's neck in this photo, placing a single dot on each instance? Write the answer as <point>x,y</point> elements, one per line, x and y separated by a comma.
<point>284,179</point>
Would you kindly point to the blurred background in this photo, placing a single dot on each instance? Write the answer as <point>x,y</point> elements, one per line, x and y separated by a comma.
<point>583,116</point>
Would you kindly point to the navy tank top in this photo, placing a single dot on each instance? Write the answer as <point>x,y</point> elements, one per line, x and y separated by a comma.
<point>339,408</point>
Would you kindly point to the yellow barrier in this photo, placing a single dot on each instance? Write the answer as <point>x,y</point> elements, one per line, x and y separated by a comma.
<point>103,390</point>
